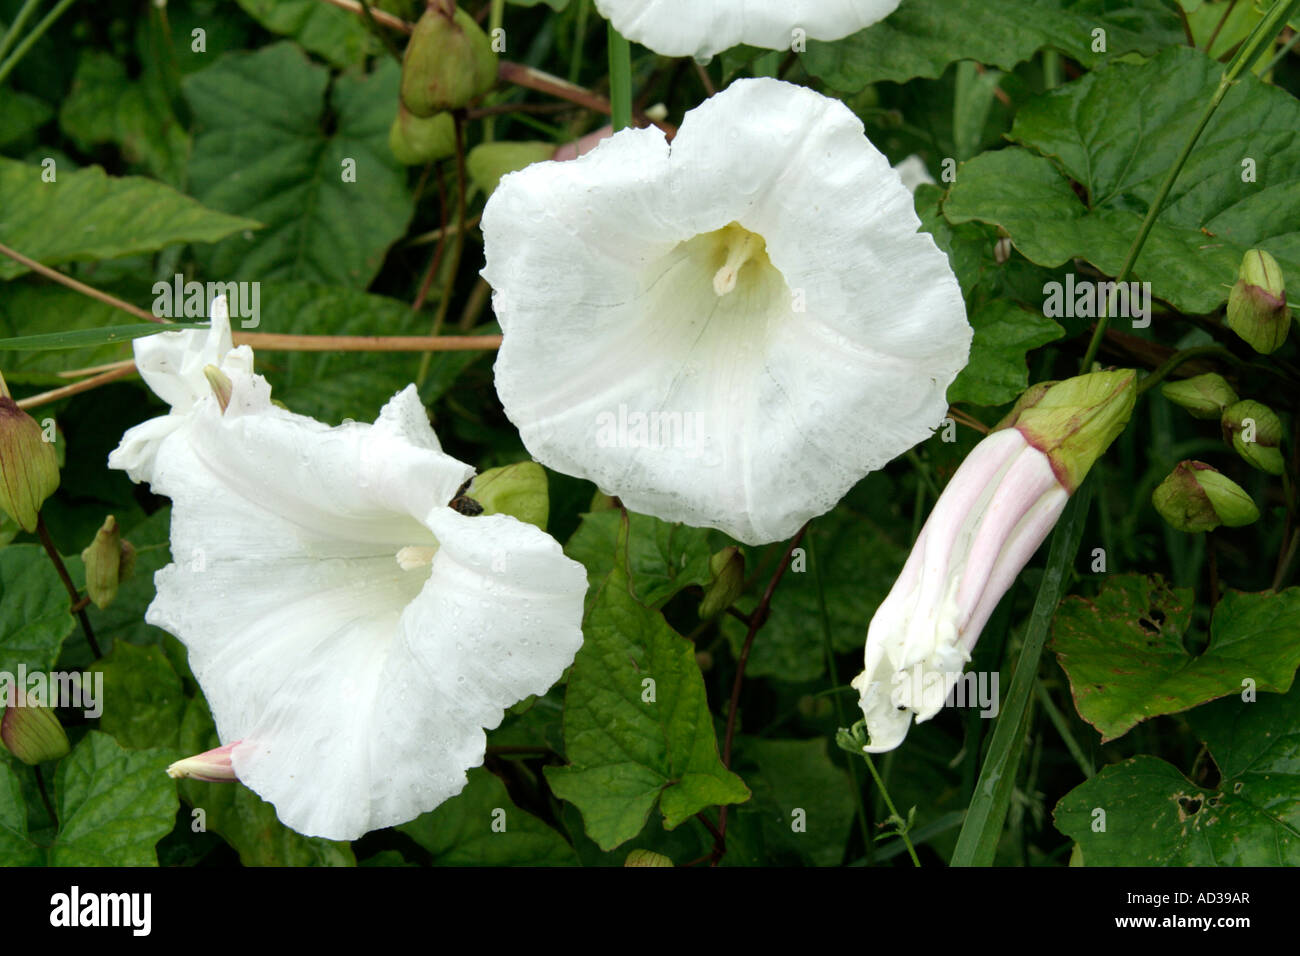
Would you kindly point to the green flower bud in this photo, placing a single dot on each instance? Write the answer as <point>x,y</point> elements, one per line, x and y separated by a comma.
<point>222,386</point>
<point>1255,432</point>
<point>646,858</point>
<point>1195,497</point>
<point>488,162</point>
<point>415,141</point>
<point>448,61</point>
<point>33,734</point>
<point>728,570</point>
<point>1204,396</point>
<point>29,466</point>
<point>109,561</point>
<point>1073,422</point>
<point>1257,309</point>
<point>519,490</point>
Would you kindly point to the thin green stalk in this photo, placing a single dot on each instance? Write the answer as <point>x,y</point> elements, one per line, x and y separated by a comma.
<point>1178,358</point>
<point>829,648</point>
<point>458,245</point>
<point>11,35</point>
<point>978,841</point>
<point>1281,54</point>
<point>620,80</point>
<point>38,31</point>
<point>579,40</point>
<point>1051,69</point>
<point>880,785</point>
<point>1062,728</point>
<point>1264,31</point>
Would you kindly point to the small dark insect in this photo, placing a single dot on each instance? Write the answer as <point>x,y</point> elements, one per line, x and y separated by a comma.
<point>464,503</point>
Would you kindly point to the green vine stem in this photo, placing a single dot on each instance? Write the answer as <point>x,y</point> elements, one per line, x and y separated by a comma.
<point>1264,31</point>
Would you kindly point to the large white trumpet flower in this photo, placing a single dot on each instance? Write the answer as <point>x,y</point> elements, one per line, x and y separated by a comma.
<point>729,331</point>
<point>701,28</point>
<point>353,634</point>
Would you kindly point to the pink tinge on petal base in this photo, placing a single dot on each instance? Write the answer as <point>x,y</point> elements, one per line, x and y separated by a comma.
<point>212,766</point>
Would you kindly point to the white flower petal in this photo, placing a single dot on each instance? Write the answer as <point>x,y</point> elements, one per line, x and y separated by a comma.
<point>358,690</point>
<point>829,360</point>
<point>701,28</point>
<point>172,364</point>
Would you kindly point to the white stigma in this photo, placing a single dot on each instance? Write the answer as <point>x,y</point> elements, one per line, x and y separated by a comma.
<point>414,556</point>
<point>738,253</point>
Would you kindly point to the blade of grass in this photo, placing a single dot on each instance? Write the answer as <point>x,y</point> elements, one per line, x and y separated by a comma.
<point>977,843</point>
<point>83,338</point>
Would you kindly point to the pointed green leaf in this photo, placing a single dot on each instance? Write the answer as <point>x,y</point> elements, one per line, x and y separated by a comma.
<point>89,215</point>
<point>34,611</point>
<point>481,826</point>
<point>923,36</point>
<point>144,700</point>
<point>114,805</point>
<point>663,558</point>
<point>264,149</point>
<point>996,373</point>
<point>1116,132</point>
<point>637,727</point>
<point>1154,816</point>
<point>1124,650</point>
<point>340,36</point>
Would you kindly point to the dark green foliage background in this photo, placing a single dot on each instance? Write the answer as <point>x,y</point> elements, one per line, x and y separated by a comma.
<point>225,165</point>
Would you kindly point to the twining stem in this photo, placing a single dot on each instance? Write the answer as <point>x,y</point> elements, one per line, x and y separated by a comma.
<point>38,31</point>
<point>1227,12</point>
<point>828,648</point>
<point>435,260</point>
<point>457,247</point>
<point>11,35</point>
<point>893,810</point>
<point>71,283</point>
<point>379,16</point>
<point>756,620</point>
<point>1282,53</point>
<point>1178,358</point>
<point>620,80</point>
<point>1264,31</point>
<point>1063,728</point>
<point>76,388</point>
<point>368,12</point>
<point>48,543</point>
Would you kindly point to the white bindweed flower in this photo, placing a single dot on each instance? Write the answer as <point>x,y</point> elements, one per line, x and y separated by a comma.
<point>172,364</point>
<point>701,28</point>
<point>353,634</point>
<point>991,518</point>
<point>729,331</point>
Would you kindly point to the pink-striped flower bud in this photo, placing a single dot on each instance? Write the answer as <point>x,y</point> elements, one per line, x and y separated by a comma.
<point>211,766</point>
<point>991,518</point>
